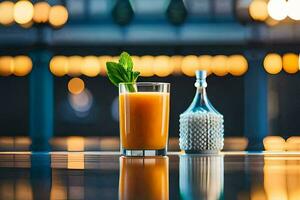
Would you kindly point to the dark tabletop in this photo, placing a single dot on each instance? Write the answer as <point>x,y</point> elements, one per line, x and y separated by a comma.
<point>106,175</point>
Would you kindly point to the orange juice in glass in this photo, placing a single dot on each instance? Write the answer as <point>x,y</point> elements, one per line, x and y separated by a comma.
<point>144,118</point>
<point>144,178</point>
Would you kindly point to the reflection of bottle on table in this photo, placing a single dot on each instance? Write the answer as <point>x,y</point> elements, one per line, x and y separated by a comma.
<point>144,178</point>
<point>201,177</point>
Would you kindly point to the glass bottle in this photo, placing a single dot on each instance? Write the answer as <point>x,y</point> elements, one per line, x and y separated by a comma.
<point>201,125</point>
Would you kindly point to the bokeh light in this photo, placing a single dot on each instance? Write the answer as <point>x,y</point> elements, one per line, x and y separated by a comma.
<point>205,63</point>
<point>59,65</point>
<point>237,65</point>
<point>145,66</point>
<point>23,12</point>
<point>293,7</point>
<point>76,86</point>
<point>274,143</point>
<point>81,103</point>
<point>175,62</point>
<point>6,65</point>
<point>149,66</point>
<point>293,143</point>
<point>162,67</point>
<point>7,12</point>
<point>273,63</point>
<point>22,65</point>
<point>75,143</point>
<point>189,65</point>
<point>258,10</point>
<point>102,62</point>
<point>235,143</point>
<point>299,61</point>
<point>277,9</point>
<point>41,12</point>
<point>290,63</point>
<point>58,15</point>
<point>74,65</point>
<point>219,65</point>
<point>91,66</point>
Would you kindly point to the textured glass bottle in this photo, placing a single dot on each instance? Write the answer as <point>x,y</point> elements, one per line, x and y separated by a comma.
<point>201,125</point>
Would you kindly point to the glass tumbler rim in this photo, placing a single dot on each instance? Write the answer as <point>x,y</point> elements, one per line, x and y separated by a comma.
<point>144,83</point>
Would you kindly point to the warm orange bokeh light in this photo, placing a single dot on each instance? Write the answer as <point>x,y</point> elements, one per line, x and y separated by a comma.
<point>293,143</point>
<point>75,65</point>
<point>76,86</point>
<point>290,63</point>
<point>75,159</point>
<point>7,12</point>
<point>162,67</point>
<point>41,12</point>
<point>189,65</point>
<point>175,63</point>
<point>258,10</point>
<point>6,65</point>
<point>75,143</point>
<point>273,63</point>
<point>274,143</point>
<point>91,66</point>
<point>146,66</point>
<point>102,62</point>
<point>23,12</point>
<point>205,63</point>
<point>237,65</point>
<point>235,143</point>
<point>219,65</point>
<point>58,15</point>
<point>59,65</point>
<point>22,65</point>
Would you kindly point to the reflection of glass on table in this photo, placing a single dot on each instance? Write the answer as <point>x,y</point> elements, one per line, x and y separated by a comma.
<point>201,177</point>
<point>144,178</point>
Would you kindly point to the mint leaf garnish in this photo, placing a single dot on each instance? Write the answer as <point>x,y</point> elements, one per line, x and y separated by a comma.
<point>122,72</point>
<point>126,61</point>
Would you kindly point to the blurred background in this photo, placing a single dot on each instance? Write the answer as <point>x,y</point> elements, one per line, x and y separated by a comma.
<point>53,80</point>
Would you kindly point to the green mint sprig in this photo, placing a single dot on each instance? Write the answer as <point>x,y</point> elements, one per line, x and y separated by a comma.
<point>122,72</point>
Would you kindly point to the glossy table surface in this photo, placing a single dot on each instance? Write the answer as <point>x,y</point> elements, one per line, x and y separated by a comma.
<point>106,175</point>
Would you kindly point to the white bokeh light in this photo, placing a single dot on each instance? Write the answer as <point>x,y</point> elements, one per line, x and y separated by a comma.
<point>277,9</point>
<point>81,103</point>
<point>293,9</point>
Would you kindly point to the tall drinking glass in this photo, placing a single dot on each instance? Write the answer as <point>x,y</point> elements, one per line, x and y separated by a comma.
<point>144,118</point>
